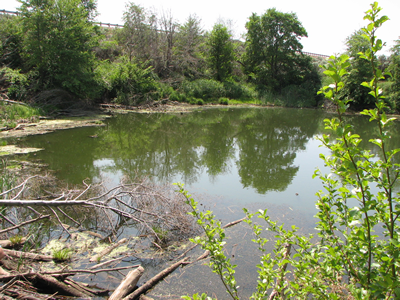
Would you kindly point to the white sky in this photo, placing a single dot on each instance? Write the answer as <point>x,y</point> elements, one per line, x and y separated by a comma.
<point>328,23</point>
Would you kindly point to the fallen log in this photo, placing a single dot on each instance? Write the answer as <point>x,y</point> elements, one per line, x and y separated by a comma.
<point>128,284</point>
<point>154,280</point>
<point>64,273</point>
<point>20,254</point>
<point>56,285</point>
<point>108,250</point>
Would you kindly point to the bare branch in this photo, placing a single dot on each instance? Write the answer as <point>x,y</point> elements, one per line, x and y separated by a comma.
<point>24,223</point>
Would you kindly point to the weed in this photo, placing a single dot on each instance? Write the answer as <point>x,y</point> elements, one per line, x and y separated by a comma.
<point>62,254</point>
<point>16,240</point>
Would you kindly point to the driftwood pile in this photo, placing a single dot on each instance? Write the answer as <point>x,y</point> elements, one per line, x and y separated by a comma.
<point>158,216</point>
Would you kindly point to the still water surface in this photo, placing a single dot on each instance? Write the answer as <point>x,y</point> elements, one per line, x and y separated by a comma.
<point>233,158</point>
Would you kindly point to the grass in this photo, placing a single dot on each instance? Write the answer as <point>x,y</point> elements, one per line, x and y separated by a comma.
<point>162,235</point>
<point>62,254</point>
<point>10,113</point>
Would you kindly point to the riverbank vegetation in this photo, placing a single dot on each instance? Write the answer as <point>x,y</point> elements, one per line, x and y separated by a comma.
<point>54,45</point>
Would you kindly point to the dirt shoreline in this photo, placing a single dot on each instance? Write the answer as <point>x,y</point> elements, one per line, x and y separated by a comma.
<point>84,118</point>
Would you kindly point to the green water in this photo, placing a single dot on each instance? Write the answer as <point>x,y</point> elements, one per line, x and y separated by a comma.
<point>229,158</point>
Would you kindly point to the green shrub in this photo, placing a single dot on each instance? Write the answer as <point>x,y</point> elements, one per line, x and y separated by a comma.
<point>17,82</point>
<point>128,83</point>
<point>199,101</point>
<point>175,96</point>
<point>206,89</point>
<point>223,101</point>
<point>239,91</point>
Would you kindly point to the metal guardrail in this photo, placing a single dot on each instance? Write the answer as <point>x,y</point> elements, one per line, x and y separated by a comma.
<point>16,13</point>
<point>109,25</point>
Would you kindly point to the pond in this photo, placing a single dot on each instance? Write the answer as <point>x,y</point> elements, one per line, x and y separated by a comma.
<point>228,158</point>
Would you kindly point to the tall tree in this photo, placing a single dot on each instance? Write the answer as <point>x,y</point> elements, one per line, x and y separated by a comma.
<point>10,41</point>
<point>189,44</point>
<point>139,35</point>
<point>273,55</point>
<point>221,52</point>
<point>394,69</point>
<point>58,39</point>
<point>167,34</point>
<point>360,71</point>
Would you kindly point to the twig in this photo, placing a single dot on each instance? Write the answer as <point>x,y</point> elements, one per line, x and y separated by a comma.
<point>66,215</point>
<point>59,221</point>
<point>24,223</point>
<point>108,250</point>
<point>233,223</point>
<point>107,262</point>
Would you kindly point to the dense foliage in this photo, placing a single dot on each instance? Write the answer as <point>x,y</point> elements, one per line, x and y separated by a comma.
<point>55,45</point>
<point>221,52</point>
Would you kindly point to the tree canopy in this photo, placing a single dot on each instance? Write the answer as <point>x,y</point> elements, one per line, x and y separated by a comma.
<point>58,41</point>
<point>221,52</point>
<point>273,54</point>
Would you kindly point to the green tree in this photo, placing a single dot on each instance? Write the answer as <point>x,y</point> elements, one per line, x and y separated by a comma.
<point>359,71</point>
<point>273,54</point>
<point>10,42</point>
<point>221,52</point>
<point>394,68</point>
<point>58,41</point>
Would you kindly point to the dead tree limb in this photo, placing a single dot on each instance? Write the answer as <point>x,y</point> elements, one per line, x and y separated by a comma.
<point>20,254</point>
<point>61,287</point>
<point>64,273</point>
<point>154,280</point>
<point>128,284</point>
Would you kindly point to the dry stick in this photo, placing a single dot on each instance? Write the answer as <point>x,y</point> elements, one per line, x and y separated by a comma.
<point>77,287</point>
<point>59,221</point>
<point>233,223</point>
<point>107,262</point>
<point>24,223</point>
<point>18,186</point>
<point>128,284</point>
<point>14,102</point>
<point>66,215</point>
<point>190,249</point>
<point>20,254</point>
<point>8,284</point>
<point>8,220</point>
<point>282,270</point>
<point>154,280</point>
<point>64,273</point>
<point>108,250</point>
